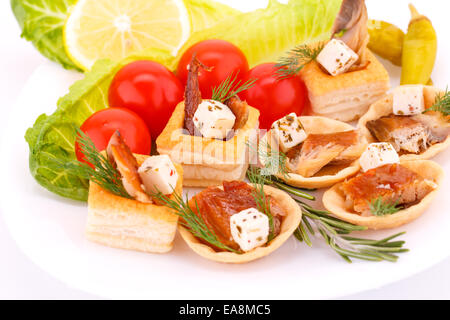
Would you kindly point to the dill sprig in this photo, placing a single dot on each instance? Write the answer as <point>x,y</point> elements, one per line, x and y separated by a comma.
<point>274,161</point>
<point>193,222</point>
<point>230,88</point>
<point>102,171</point>
<point>262,203</point>
<point>297,59</point>
<point>273,165</point>
<point>441,104</point>
<point>380,208</point>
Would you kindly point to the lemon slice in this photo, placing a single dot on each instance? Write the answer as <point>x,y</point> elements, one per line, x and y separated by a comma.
<point>98,29</point>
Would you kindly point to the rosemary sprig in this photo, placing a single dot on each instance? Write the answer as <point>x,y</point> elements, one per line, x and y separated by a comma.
<point>441,104</point>
<point>332,229</point>
<point>297,59</point>
<point>191,220</point>
<point>334,232</point>
<point>229,88</point>
<point>102,171</point>
<point>380,208</point>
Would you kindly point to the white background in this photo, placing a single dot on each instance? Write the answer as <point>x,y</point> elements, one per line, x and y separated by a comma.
<point>19,278</point>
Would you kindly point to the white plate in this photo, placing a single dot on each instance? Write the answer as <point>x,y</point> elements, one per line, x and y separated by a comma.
<point>49,230</point>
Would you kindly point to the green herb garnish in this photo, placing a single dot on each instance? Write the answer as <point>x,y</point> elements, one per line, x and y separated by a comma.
<point>191,220</point>
<point>263,204</point>
<point>297,59</point>
<point>230,88</point>
<point>332,229</point>
<point>340,34</point>
<point>102,171</point>
<point>381,208</point>
<point>274,162</point>
<point>441,104</point>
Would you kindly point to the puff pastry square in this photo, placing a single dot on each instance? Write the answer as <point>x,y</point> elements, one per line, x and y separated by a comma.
<point>128,224</point>
<point>207,162</point>
<point>289,223</point>
<point>345,97</point>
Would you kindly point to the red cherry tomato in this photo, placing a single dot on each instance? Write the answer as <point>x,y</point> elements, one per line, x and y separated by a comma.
<point>274,98</point>
<point>149,89</point>
<point>224,57</point>
<point>101,125</point>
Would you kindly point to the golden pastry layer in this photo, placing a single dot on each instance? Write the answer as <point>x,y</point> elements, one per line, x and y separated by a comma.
<point>129,224</point>
<point>345,97</point>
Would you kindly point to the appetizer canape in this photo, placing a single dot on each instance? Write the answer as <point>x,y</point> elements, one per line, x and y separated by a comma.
<point>343,77</point>
<point>250,221</point>
<point>208,137</point>
<point>387,193</point>
<point>319,151</point>
<point>133,219</point>
<point>412,120</point>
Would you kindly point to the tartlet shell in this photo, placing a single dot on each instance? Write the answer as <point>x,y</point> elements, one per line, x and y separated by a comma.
<point>334,200</point>
<point>321,125</point>
<point>383,108</point>
<point>290,222</point>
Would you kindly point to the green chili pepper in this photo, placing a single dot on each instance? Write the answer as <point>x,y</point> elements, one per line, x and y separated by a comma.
<point>386,40</point>
<point>419,50</point>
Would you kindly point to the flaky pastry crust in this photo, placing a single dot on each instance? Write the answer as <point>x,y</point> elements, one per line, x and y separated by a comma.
<point>345,97</point>
<point>129,224</point>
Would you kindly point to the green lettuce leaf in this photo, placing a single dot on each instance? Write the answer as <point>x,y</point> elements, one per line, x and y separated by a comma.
<point>42,23</point>
<point>207,13</point>
<point>51,140</point>
<point>266,34</point>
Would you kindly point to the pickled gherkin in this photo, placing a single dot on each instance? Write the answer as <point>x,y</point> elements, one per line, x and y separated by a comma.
<point>386,40</point>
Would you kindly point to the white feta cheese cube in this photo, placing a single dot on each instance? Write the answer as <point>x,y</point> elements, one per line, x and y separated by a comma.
<point>377,155</point>
<point>288,132</point>
<point>214,119</point>
<point>249,228</point>
<point>408,100</point>
<point>336,57</point>
<point>158,174</point>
